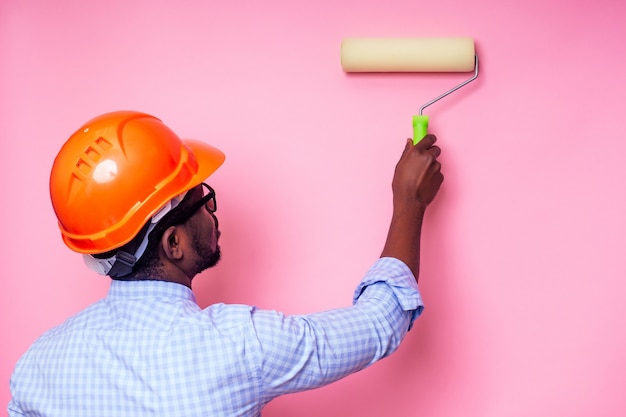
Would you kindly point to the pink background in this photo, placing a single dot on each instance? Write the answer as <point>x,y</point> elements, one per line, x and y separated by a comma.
<point>523,261</point>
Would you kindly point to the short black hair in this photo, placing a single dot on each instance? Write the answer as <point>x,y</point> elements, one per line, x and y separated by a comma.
<point>148,264</point>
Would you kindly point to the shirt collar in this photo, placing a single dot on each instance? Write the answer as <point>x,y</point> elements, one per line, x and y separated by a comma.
<point>149,289</point>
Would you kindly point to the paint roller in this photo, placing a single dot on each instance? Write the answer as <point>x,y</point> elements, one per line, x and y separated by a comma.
<point>411,55</point>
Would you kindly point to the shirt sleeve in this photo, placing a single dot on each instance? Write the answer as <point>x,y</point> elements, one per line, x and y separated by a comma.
<point>400,280</point>
<point>13,409</point>
<point>303,352</point>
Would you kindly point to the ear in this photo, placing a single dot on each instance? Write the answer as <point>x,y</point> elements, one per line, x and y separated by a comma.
<point>170,243</point>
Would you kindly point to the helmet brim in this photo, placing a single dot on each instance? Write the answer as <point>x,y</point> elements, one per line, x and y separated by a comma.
<point>209,160</point>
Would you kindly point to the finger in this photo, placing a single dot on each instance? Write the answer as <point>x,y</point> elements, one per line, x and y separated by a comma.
<point>435,151</point>
<point>408,145</point>
<point>434,173</point>
<point>428,141</point>
<point>435,167</point>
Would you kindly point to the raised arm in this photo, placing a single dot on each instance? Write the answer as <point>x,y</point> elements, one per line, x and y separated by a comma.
<point>416,181</point>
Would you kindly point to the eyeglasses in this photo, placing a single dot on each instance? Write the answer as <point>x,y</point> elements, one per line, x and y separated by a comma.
<point>180,215</point>
<point>207,201</point>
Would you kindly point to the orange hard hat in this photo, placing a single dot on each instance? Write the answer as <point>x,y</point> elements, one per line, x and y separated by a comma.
<point>116,172</point>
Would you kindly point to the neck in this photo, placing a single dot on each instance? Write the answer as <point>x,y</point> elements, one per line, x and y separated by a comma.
<point>161,273</point>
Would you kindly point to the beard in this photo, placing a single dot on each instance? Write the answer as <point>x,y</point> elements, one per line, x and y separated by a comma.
<point>206,257</point>
<point>206,262</point>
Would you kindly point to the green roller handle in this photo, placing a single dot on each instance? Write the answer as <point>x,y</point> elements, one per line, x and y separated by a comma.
<point>420,128</point>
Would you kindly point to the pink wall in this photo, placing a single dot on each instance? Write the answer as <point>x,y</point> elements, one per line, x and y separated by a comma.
<point>523,261</point>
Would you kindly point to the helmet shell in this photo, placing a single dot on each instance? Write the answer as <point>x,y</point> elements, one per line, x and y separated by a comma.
<point>116,171</point>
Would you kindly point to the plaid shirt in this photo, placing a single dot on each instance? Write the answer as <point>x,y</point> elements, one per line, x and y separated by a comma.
<point>147,349</point>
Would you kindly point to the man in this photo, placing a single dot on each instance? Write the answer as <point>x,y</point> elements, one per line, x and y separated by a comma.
<point>129,195</point>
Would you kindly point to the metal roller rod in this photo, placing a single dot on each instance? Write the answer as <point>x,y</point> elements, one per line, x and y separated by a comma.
<point>453,89</point>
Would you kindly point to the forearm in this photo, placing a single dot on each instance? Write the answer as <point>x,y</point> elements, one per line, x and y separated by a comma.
<point>403,238</point>
<point>416,181</point>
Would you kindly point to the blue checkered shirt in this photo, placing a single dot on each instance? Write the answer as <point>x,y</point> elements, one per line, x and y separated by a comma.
<point>147,349</point>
